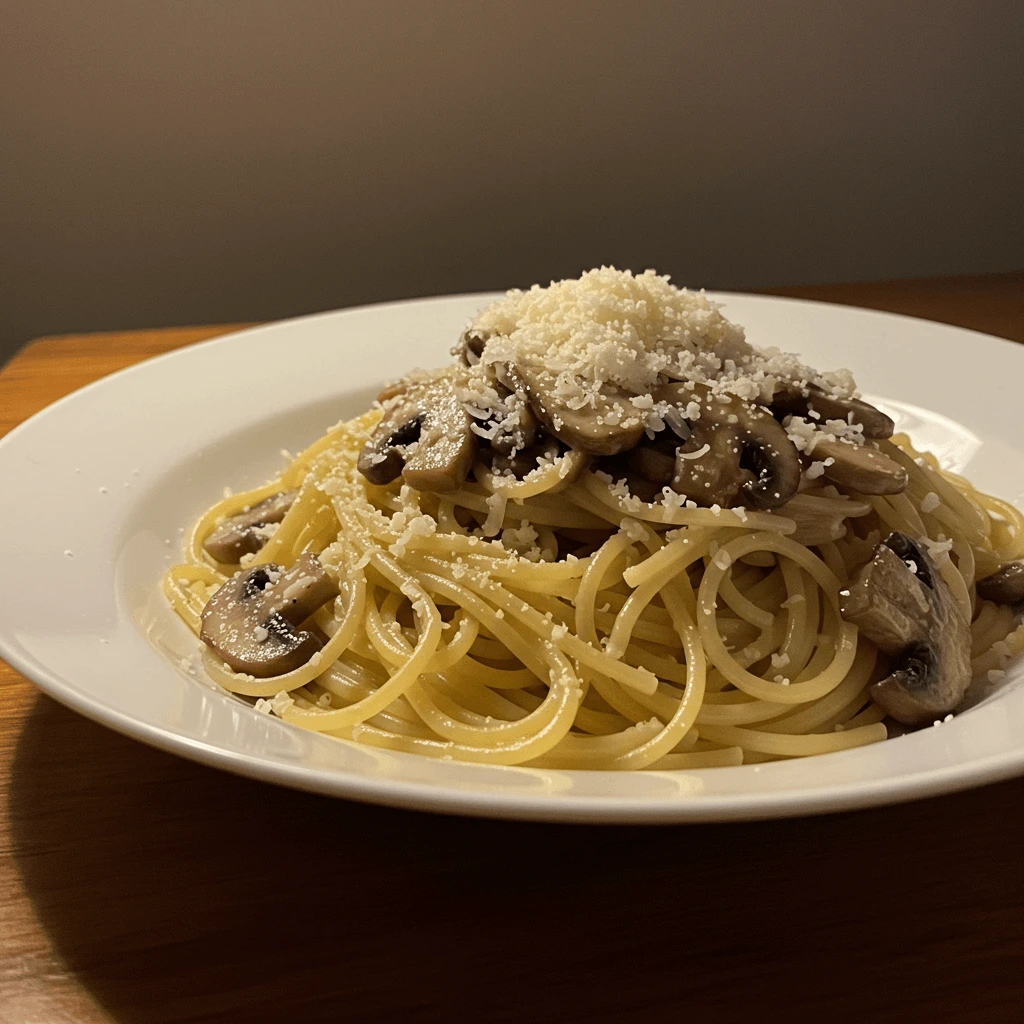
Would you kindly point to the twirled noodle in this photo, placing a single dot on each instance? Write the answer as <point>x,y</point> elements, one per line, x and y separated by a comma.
<point>554,621</point>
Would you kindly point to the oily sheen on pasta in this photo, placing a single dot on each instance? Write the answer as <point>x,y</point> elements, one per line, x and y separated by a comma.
<point>613,534</point>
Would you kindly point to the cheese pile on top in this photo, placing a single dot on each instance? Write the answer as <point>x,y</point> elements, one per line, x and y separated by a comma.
<point>612,329</point>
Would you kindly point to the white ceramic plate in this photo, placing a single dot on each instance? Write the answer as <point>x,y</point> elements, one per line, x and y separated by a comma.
<point>95,491</point>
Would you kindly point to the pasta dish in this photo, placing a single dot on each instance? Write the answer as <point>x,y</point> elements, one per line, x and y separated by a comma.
<point>611,534</point>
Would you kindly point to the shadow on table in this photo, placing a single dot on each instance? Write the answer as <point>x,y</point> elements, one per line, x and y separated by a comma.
<point>177,893</point>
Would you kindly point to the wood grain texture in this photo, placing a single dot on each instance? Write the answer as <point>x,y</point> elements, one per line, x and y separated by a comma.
<point>139,887</point>
<point>49,368</point>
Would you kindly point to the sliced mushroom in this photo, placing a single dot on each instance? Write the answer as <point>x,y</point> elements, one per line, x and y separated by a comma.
<point>251,620</point>
<point>655,461</point>
<point>860,467</point>
<point>793,399</point>
<point>609,426</point>
<point>470,346</point>
<point>1004,586</point>
<point>638,485</point>
<point>242,534</point>
<point>900,602</point>
<point>524,462</point>
<point>736,454</point>
<point>424,434</point>
<point>516,437</point>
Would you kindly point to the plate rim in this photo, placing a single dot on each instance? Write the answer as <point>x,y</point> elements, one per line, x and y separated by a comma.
<point>585,809</point>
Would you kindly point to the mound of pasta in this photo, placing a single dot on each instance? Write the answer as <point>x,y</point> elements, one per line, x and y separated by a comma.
<point>611,534</point>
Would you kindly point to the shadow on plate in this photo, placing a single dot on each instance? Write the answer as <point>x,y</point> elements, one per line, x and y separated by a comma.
<point>179,893</point>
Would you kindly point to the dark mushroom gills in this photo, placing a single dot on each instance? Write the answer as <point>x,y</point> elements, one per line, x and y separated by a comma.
<point>252,620</point>
<point>736,454</point>
<point>900,602</point>
<point>424,435</point>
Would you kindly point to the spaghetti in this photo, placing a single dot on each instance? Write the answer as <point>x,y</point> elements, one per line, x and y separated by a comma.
<point>555,617</point>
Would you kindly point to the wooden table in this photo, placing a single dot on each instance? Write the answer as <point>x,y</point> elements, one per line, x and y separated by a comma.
<point>138,887</point>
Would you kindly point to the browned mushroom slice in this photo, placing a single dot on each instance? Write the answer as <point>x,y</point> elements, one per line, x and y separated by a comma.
<point>251,620</point>
<point>1004,586</point>
<point>524,462</point>
<point>242,534</point>
<point>736,454</point>
<point>620,469</point>
<point>518,432</point>
<point>470,346</point>
<point>860,467</point>
<point>655,461</point>
<point>900,603</point>
<point>423,435</point>
<point>792,399</point>
<point>609,426</point>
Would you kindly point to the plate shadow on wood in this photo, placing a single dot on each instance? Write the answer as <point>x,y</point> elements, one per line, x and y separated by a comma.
<point>179,893</point>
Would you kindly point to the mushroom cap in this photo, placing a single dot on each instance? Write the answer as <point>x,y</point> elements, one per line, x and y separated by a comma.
<point>900,602</point>
<point>527,460</point>
<point>470,346</point>
<point>240,534</point>
<point>736,454</point>
<point>250,621</point>
<point>1004,586</point>
<point>860,467</point>
<point>611,424</point>
<point>794,399</point>
<point>423,435</point>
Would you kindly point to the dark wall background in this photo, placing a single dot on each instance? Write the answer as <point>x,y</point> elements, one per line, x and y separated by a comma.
<point>197,162</point>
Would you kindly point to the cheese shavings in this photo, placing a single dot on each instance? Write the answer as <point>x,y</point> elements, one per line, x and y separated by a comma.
<point>608,327</point>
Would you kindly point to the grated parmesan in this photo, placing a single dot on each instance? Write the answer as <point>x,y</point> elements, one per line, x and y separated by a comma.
<point>613,332</point>
<point>723,559</point>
